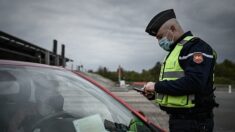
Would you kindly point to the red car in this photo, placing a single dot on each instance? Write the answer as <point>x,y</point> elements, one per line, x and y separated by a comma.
<point>42,98</point>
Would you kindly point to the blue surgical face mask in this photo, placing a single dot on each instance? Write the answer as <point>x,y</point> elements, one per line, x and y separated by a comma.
<point>165,43</point>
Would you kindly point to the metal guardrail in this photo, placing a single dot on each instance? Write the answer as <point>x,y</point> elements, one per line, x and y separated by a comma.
<point>225,87</point>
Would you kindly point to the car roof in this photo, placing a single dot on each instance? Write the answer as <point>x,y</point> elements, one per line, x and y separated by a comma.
<point>23,63</point>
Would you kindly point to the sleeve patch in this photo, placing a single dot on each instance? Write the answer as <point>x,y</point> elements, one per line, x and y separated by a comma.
<point>198,58</point>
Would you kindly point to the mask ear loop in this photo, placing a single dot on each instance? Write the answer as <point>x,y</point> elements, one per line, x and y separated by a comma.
<point>167,34</point>
<point>173,38</point>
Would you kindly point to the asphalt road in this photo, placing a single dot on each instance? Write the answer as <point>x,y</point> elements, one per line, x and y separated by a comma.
<point>225,114</point>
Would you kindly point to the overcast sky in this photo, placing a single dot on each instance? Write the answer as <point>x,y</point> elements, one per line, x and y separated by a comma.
<point>112,32</point>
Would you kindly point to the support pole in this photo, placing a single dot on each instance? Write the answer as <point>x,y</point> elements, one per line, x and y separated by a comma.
<point>56,59</point>
<point>229,88</point>
<point>63,54</point>
<point>47,57</point>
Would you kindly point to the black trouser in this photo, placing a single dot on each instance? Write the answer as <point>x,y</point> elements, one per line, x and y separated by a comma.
<point>191,123</point>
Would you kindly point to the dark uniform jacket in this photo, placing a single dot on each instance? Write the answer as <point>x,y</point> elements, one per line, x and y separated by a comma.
<point>198,79</point>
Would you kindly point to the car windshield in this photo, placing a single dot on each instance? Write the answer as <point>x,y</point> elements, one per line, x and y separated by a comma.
<point>42,99</point>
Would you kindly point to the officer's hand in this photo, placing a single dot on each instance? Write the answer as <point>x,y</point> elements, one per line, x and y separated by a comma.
<point>149,87</point>
<point>149,90</point>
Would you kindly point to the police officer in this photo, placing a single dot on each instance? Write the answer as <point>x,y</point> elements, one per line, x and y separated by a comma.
<point>185,88</point>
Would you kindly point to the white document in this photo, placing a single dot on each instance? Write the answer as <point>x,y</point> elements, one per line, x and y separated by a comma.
<point>91,123</point>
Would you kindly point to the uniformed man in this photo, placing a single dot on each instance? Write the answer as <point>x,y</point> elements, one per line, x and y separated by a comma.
<point>185,88</point>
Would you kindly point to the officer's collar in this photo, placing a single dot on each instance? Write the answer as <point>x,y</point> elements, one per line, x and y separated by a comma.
<point>189,33</point>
